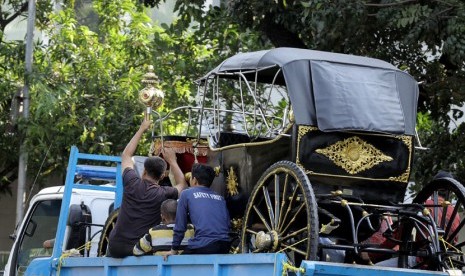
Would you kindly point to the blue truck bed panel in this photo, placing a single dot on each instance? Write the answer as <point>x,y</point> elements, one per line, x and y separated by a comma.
<point>332,269</point>
<point>224,265</point>
<point>216,265</point>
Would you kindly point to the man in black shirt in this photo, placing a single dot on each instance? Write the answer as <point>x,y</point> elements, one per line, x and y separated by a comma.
<point>142,196</point>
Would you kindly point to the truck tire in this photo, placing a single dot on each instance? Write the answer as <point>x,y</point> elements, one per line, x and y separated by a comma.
<point>107,228</point>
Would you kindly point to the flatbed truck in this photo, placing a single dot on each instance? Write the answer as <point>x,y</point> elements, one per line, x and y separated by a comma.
<point>76,213</point>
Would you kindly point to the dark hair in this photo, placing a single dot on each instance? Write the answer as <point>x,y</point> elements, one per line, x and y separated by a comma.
<point>168,208</point>
<point>155,167</point>
<point>204,174</point>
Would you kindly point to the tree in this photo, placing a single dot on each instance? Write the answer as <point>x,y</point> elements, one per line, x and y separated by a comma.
<point>86,80</point>
<point>11,82</point>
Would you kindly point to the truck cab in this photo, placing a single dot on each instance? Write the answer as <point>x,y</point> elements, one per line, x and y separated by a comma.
<point>83,204</point>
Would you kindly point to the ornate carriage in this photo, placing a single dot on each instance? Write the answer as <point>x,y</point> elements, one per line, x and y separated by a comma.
<point>313,152</point>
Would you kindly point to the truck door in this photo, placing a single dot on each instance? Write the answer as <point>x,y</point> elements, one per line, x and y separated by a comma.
<point>40,225</point>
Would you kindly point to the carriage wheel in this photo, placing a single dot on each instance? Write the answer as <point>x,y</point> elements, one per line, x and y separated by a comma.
<point>105,235</point>
<point>281,215</point>
<point>445,200</point>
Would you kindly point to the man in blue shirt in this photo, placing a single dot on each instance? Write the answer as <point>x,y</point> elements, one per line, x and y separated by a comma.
<point>208,213</point>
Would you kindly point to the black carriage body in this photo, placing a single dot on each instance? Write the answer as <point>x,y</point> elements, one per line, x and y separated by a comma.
<point>354,120</point>
<point>245,163</point>
<point>371,166</point>
<point>343,134</point>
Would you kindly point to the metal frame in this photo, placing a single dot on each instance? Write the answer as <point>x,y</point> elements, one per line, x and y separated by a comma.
<point>70,184</point>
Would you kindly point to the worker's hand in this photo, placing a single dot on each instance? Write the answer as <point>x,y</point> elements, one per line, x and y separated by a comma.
<point>169,155</point>
<point>169,253</point>
<point>145,124</point>
<point>48,243</point>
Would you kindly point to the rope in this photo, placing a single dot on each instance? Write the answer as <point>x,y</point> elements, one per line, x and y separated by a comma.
<point>448,245</point>
<point>69,253</point>
<point>289,267</point>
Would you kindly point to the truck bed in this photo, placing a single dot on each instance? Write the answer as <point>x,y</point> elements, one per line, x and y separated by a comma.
<point>224,265</point>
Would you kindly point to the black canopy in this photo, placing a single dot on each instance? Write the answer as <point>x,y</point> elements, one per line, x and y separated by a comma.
<point>334,91</point>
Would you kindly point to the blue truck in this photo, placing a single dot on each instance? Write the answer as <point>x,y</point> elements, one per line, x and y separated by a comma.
<point>82,206</point>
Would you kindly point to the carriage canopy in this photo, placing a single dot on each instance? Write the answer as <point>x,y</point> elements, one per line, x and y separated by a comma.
<point>333,91</point>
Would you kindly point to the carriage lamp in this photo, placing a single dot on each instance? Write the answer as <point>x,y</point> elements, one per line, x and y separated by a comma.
<point>150,95</point>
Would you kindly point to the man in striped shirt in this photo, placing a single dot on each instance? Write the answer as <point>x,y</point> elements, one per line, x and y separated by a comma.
<point>160,237</point>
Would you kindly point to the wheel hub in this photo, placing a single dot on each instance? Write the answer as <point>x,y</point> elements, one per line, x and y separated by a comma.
<point>267,241</point>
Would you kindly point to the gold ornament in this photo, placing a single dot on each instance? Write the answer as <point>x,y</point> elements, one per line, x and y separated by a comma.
<point>150,95</point>
<point>354,155</point>
<point>232,184</point>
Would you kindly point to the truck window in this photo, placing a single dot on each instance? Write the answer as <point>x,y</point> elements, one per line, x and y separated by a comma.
<point>41,226</point>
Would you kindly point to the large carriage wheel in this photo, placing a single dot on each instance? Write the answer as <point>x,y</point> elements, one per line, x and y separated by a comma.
<point>281,214</point>
<point>105,235</point>
<point>445,200</point>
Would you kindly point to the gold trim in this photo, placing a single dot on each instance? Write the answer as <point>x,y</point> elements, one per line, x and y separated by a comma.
<point>236,224</point>
<point>404,177</point>
<point>408,142</point>
<point>302,131</point>
<point>217,170</point>
<point>231,182</point>
<point>354,155</point>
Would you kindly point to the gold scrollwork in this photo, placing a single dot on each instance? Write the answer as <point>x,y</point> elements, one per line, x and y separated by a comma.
<point>231,184</point>
<point>403,177</point>
<point>354,155</point>
<point>236,224</point>
<point>304,130</point>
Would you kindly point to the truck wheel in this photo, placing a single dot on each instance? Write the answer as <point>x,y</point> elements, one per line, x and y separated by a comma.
<point>104,237</point>
<point>281,215</point>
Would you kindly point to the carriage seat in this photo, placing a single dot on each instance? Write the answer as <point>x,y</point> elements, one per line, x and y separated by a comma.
<point>227,138</point>
<point>232,138</point>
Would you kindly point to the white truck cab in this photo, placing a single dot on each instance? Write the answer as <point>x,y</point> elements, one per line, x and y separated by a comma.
<point>88,206</point>
<point>89,209</point>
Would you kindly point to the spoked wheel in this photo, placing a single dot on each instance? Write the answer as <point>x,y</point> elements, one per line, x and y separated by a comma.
<point>281,215</point>
<point>104,237</point>
<point>436,243</point>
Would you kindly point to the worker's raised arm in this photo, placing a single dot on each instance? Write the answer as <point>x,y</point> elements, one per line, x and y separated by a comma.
<point>170,157</point>
<point>126,156</point>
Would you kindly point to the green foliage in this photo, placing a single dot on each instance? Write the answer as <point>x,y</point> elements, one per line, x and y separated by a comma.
<point>11,71</point>
<point>86,84</point>
<point>87,77</point>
